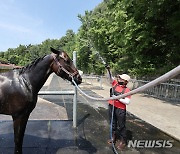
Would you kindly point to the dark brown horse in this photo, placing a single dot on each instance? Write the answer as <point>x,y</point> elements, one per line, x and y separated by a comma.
<point>19,88</point>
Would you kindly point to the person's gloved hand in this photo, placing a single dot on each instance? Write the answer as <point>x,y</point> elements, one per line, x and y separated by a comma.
<point>113,95</point>
<point>107,66</point>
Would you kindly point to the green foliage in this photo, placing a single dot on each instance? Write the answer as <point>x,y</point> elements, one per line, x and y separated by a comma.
<point>137,37</point>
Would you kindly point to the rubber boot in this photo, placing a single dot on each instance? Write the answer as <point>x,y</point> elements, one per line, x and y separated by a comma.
<point>113,138</point>
<point>121,144</point>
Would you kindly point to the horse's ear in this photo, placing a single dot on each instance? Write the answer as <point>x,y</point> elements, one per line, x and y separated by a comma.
<point>55,51</point>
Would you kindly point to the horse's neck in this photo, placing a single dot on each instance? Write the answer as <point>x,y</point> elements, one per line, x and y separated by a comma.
<point>39,74</point>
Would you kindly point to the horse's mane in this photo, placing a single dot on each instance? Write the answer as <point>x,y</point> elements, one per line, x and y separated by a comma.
<point>31,65</point>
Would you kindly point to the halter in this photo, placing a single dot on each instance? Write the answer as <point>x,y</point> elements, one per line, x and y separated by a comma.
<point>60,67</point>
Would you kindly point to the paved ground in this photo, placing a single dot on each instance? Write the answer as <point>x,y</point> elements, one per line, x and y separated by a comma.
<point>50,131</point>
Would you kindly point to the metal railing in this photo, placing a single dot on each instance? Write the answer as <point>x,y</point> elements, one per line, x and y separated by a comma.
<point>69,92</point>
<point>92,79</point>
<point>162,91</point>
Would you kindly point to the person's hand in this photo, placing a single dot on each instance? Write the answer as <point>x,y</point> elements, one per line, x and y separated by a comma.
<point>107,66</point>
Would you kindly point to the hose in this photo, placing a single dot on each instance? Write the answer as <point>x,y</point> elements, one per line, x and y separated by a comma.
<point>155,82</point>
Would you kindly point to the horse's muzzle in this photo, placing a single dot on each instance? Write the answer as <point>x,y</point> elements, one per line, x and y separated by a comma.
<point>78,79</point>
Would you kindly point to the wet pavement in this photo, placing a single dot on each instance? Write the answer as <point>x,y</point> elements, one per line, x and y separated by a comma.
<point>59,137</point>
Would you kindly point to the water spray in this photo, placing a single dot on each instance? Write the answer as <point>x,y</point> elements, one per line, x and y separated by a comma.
<point>100,58</point>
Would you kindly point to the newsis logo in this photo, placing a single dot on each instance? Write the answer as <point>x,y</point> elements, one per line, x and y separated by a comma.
<point>150,143</point>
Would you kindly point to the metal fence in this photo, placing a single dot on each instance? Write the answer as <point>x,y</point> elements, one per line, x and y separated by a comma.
<point>163,91</point>
<point>93,79</point>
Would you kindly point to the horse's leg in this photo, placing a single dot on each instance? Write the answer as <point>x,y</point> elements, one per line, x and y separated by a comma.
<point>19,129</point>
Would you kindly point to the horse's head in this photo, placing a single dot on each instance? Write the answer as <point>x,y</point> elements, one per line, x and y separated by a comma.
<point>63,66</point>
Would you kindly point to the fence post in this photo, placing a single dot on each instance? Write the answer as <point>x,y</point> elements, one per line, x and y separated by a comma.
<point>75,96</point>
<point>101,82</point>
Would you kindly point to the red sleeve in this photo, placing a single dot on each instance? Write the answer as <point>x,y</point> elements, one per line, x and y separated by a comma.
<point>114,83</point>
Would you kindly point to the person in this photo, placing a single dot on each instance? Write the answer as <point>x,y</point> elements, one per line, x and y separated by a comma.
<point>119,86</point>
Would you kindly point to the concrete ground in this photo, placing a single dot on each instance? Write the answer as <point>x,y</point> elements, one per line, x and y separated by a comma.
<point>49,129</point>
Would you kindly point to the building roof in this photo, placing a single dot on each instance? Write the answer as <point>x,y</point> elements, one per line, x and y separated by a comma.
<point>5,65</point>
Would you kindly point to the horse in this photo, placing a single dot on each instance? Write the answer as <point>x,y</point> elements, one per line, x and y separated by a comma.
<point>19,88</point>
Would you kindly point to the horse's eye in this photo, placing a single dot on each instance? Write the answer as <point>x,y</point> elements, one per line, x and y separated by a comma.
<point>58,58</point>
<point>68,61</point>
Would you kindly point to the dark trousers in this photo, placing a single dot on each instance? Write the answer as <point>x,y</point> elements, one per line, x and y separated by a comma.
<point>119,122</point>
